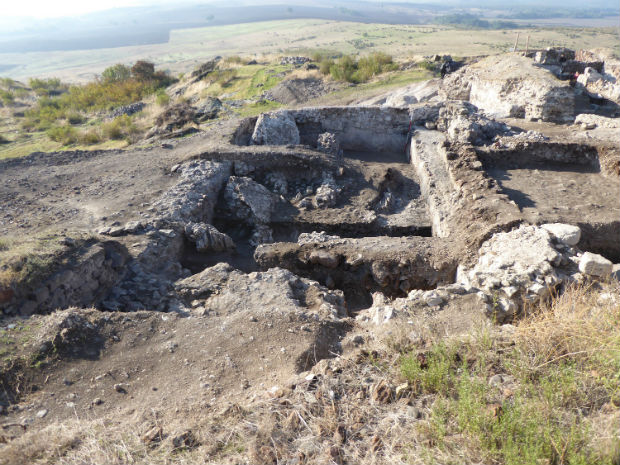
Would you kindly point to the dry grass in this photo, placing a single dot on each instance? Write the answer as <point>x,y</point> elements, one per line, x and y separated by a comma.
<point>561,406</point>
<point>577,325</point>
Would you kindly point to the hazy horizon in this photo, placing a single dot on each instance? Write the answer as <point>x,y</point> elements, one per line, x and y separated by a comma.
<point>42,9</point>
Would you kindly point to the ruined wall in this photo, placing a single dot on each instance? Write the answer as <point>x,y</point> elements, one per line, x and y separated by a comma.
<point>86,279</point>
<point>511,86</point>
<point>358,128</point>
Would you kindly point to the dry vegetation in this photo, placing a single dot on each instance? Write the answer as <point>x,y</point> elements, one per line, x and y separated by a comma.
<point>544,391</point>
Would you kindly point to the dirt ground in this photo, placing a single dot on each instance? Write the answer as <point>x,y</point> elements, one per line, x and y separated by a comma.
<point>70,190</point>
<point>226,366</point>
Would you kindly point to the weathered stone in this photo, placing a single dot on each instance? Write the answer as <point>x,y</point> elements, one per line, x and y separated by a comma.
<point>327,142</point>
<point>315,237</point>
<point>207,238</point>
<point>194,197</point>
<point>514,266</point>
<point>209,109</point>
<point>248,200</point>
<point>511,86</point>
<point>277,128</point>
<point>324,258</point>
<point>595,265</point>
<point>564,233</point>
<point>462,123</point>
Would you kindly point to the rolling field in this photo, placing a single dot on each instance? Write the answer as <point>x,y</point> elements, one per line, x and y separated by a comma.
<point>189,47</point>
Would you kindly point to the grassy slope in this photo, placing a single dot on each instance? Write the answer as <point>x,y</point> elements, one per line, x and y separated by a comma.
<point>189,47</point>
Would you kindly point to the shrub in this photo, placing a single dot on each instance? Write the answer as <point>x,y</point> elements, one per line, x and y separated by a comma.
<point>235,59</point>
<point>116,73</point>
<point>75,118</point>
<point>66,135</point>
<point>90,137</point>
<point>326,65</point>
<point>6,97</point>
<point>47,87</point>
<point>347,68</point>
<point>119,128</point>
<point>343,69</point>
<point>162,98</point>
<point>143,70</point>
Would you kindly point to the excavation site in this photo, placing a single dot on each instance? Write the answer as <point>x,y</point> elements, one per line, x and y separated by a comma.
<point>287,287</point>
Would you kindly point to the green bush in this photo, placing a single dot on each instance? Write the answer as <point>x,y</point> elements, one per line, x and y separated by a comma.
<point>116,73</point>
<point>325,65</point>
<point>47,87</point>
<point>66,135</point>
<point>90,137</point>
<point>162,98</point>
<point>119,128</point>
<point>347,68</point>
<point>74,117</point>
<point>6,97</point>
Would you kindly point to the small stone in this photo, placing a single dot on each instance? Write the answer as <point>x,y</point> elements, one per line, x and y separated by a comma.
<point>432,299</point>
<point>121,388</point>
<point>70,404</point>
<point>184,440</point>
<point>153,435</point>
<point>41,413</point>
<point>276,391</point>
<point>382,393</point>
<point>401,389</point>
<point>97,401</point>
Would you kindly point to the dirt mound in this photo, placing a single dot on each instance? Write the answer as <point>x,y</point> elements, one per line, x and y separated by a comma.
<point>299,90</point>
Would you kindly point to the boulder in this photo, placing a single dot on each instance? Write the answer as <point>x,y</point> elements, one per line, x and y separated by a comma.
<point>595,265</point>
<point>207,238</point>
<point>208,110</point>
<point>277,128</point>
<point>564,233</point>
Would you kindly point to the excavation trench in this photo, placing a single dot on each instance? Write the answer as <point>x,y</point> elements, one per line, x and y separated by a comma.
<point>368,195</point>
<point>562,183</point>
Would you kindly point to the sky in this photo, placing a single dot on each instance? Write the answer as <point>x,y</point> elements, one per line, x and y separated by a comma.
<point>58,8</point>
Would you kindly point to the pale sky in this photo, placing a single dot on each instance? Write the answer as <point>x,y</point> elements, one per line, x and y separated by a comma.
<point>56,8</point>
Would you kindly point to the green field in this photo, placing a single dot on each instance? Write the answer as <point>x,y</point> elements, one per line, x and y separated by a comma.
<point>189,47</point>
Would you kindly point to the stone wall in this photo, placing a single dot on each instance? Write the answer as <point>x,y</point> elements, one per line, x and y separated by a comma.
<point>357,128</point>
<point>83,282</point>
<point>511,86</point>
